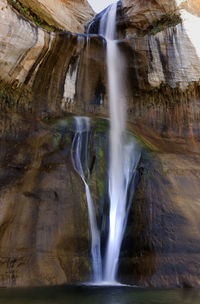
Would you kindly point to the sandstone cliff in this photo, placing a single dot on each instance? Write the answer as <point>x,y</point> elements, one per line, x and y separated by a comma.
<point>141,14</point>
<point>67,15</point>
<point>46,75</point>
<point>170,55</point>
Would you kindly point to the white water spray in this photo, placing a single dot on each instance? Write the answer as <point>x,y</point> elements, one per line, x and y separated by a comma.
<point>79,155</point>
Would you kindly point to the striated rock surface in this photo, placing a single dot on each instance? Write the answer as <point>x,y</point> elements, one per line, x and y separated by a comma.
<point>45,238</point>
<point>170,57</point>
<point>141,14</point>
<point>64,14</point>
<point>19,49</point>
<point>47,75</point>
<point>163,232</point>
<point>192,6</point>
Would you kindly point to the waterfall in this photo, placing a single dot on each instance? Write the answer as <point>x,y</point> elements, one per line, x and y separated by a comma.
<point>79,156</point>
<point>123,155</point>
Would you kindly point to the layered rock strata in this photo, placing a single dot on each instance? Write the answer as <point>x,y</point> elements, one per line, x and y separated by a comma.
<point>65,73</point>
<point>141,14</point>
<point>67,15</point>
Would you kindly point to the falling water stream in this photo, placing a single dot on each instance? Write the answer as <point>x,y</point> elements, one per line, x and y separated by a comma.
<point>79,155</point>
<point>124,156</point>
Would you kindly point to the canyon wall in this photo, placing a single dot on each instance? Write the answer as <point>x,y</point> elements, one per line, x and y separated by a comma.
<point>49,75</point>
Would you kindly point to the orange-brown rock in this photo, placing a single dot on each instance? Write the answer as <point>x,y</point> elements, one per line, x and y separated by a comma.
<point>68,15</point>
<point>195,4</point>
<point>192,6</point>
<point>141,14</point>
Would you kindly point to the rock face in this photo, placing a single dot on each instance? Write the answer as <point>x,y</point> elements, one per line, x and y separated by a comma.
<point>170,57</point>
<point>47,75</point>
<point>192,6</point>
<point>64,14</point>
<point>40,237</point>
<point>141,14</point>
<point>43,203</point>
<point>195,5</point>
<point>19,49</point>
<point>163,232</point>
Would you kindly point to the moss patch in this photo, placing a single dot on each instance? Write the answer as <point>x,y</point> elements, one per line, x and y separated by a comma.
<point>30,15</point>
<point>168,20</point>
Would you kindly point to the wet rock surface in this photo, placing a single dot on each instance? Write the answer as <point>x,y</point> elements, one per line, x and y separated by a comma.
<point>45,237</point>
<point>163,231</point>
<point>42,208</point>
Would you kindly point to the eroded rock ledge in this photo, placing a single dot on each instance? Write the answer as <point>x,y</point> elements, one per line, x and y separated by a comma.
<point>56,74</point>
<point>60,14</point>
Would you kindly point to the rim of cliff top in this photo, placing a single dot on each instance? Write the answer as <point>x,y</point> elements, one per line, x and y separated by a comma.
<point>99,6</point>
